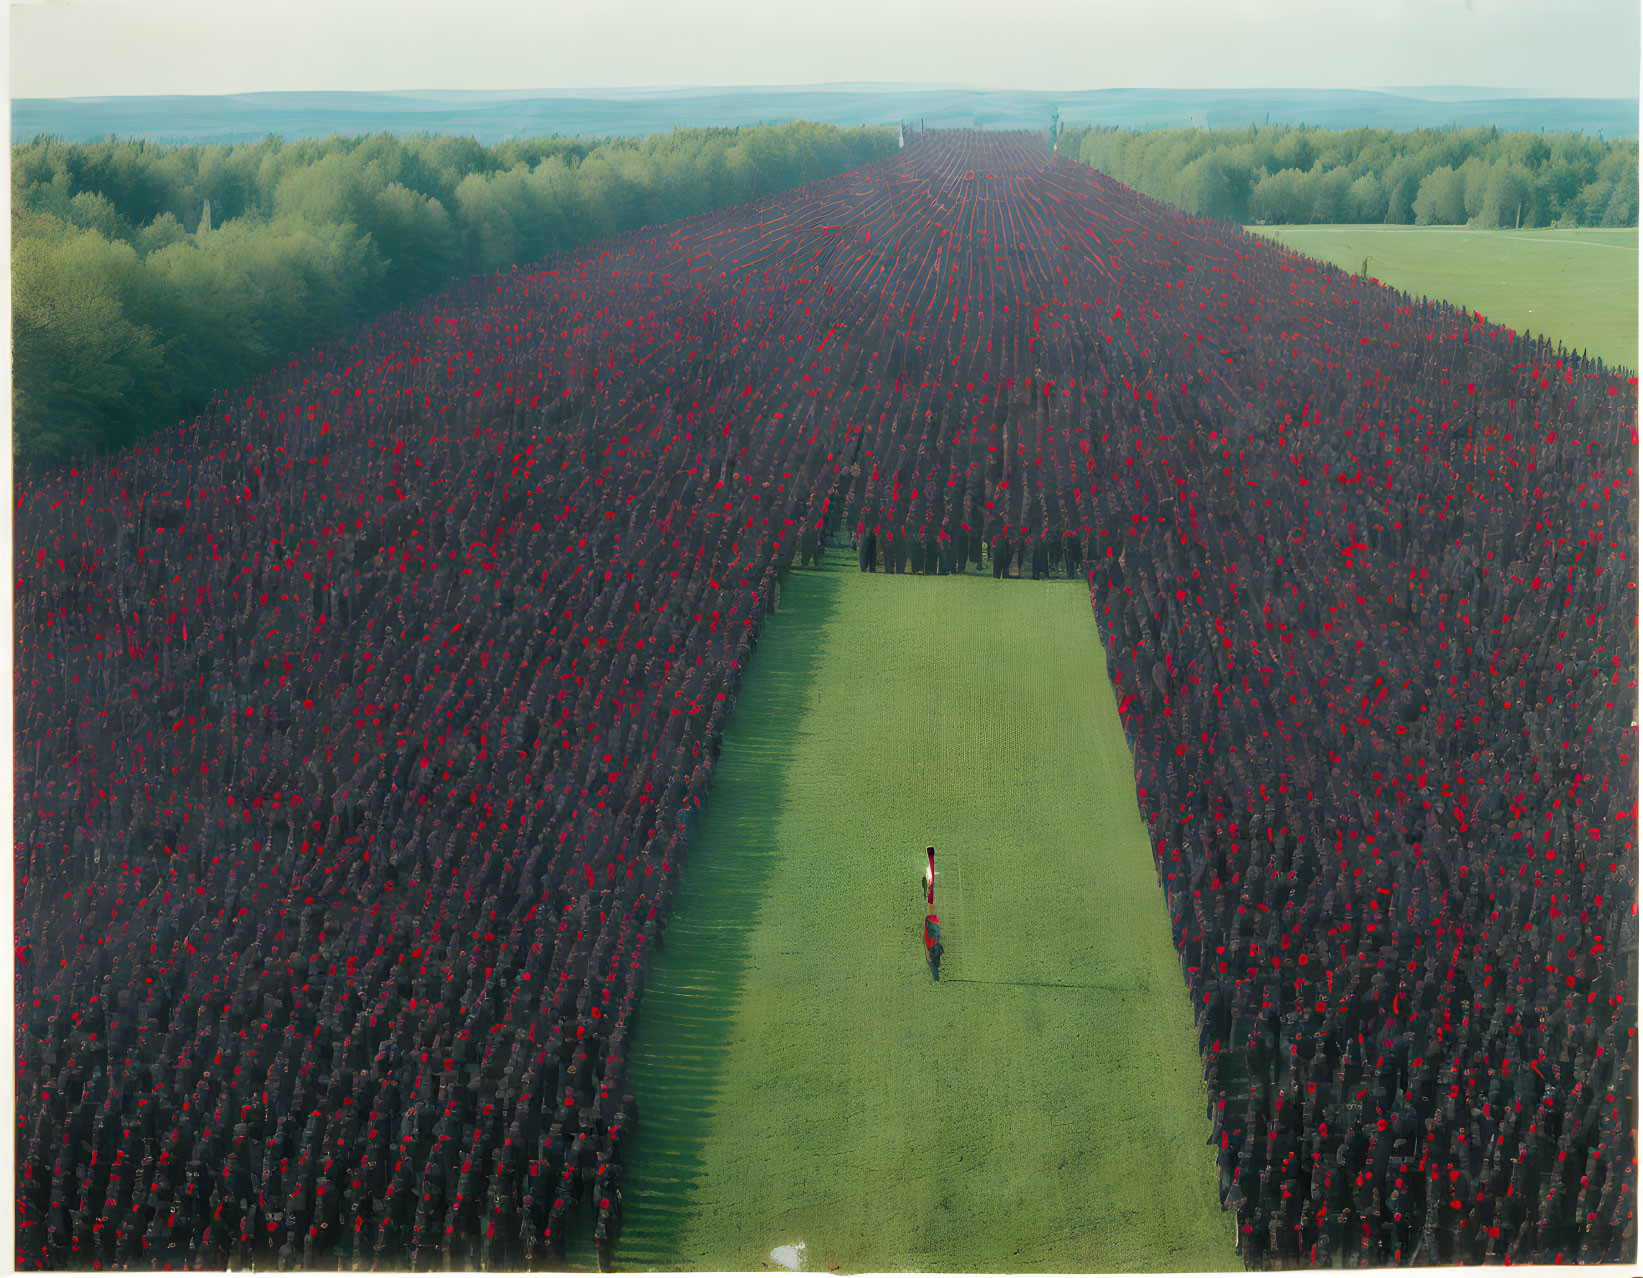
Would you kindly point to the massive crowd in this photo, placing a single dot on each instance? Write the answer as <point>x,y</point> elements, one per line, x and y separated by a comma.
<point>362,723</point>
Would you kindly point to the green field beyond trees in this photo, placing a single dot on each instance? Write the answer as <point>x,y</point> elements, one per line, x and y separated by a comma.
<point>1577,287</point>
<point>800,1077</point>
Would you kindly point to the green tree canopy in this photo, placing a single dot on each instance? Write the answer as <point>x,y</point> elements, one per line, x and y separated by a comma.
<point>127,312</point>
<point>1564,179</point>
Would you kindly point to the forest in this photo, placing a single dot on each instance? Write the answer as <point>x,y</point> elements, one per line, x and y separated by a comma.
<point>1424,177</point>
<point>145,277</point>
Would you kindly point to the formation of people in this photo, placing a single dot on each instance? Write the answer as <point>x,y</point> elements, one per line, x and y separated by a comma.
<point>363,723</point>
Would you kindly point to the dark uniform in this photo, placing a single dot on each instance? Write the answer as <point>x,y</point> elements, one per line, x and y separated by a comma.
<point>932,945</point>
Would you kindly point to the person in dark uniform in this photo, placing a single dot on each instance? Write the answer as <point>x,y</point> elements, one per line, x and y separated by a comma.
<point>866,549</point>
<point>932,945</point>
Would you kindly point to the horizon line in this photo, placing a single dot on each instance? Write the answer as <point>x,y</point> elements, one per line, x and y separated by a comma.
<point>1506,92</point>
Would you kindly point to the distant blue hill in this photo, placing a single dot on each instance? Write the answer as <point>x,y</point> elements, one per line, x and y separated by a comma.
<point>492,116</point>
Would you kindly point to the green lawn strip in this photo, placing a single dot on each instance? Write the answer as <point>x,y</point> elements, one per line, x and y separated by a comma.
<point>1578,287</point>
<point>801,1078</point>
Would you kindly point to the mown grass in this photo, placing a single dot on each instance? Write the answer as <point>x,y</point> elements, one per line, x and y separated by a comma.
<point>1578,287</point>
<point>802,1079</point>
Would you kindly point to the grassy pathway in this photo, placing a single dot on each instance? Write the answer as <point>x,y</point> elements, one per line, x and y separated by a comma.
<point>1579,287</point>
<point>801,1078</point>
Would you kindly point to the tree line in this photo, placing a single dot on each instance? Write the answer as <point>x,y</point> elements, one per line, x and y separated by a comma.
<point>1286,174</point>
<point>144,276</point>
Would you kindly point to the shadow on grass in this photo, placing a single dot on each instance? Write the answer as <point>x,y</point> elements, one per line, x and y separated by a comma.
<point>682,1028</point>
<point>1040,985</point>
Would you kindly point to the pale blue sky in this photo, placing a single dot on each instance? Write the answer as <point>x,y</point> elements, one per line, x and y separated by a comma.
<point>84,48</point>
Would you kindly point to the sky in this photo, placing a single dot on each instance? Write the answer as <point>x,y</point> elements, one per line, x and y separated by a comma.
<point>94,48</point>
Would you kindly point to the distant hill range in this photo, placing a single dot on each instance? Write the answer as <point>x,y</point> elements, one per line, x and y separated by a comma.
<point>495,116</point>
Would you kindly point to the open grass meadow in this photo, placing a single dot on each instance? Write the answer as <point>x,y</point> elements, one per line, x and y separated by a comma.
<point>802,1078</point>
<point>1578,287</point>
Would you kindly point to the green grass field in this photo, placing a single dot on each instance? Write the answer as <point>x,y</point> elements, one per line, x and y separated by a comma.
<point>1578,287</point>
<point>802,1079</point>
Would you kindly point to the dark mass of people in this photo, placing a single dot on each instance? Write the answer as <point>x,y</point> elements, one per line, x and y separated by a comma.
<point>363,723</point>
